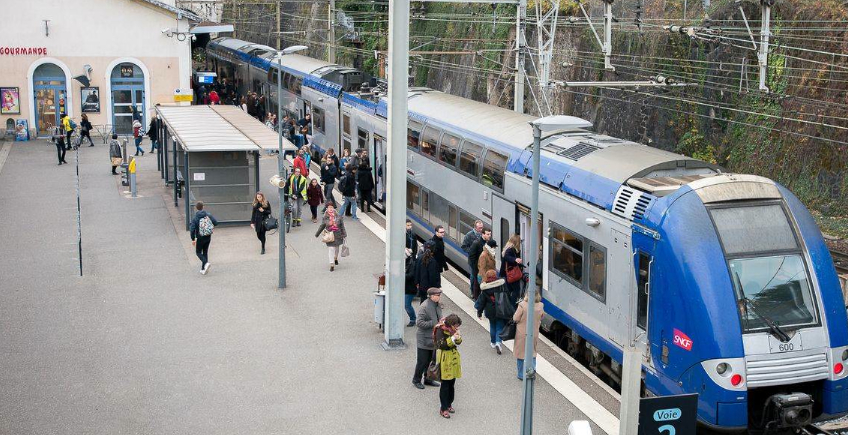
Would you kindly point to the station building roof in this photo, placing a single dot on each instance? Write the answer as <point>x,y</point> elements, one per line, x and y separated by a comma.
<point>218,128</point>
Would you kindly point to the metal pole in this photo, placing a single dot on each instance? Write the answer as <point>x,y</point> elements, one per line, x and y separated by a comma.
<point>529,369</point>
<point>331,32</point>
<point>279,47</point>
<point>396,200</point>
<point>608,35</point>
<point>631,383</point>
<point>765,32</point>
<point>187,193</point>
<point>176,181</point>
<point>282,171</point>
<point>520,43</point>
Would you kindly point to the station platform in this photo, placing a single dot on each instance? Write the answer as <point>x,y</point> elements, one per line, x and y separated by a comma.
<point>143,343</point>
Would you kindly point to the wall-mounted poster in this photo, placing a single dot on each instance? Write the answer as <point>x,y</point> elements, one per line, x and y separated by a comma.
<point>21,130</point>
<point>90,100</point>
<point>10,101</point>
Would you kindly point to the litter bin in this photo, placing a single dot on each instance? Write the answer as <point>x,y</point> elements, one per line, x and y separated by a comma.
<point>379,308</point>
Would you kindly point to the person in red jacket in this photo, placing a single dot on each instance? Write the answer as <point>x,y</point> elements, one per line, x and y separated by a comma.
<point>314,197</point>
<point>214,98</point>
<point>300,162</point>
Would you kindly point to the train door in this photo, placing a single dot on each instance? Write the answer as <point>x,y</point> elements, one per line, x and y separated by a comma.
<point>345,127</point>
<point>380,170</point>
<point>524,230</point>
<point>641,299</point>
<point>307,110</point>
<point>620,287</point>
<point>503,217</point>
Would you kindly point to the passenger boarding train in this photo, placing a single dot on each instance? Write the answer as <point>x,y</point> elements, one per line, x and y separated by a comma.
<point>722,281</point>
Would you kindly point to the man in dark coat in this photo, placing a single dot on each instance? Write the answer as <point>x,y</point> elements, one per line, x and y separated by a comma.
<point>474,257</point>
<point>347,187</point>
<point>439,247</point>
<point>411,241</point>
<point>428,316</point>
<point>365,183</point>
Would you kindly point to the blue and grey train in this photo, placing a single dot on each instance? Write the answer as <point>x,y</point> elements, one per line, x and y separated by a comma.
<point>722,281</point>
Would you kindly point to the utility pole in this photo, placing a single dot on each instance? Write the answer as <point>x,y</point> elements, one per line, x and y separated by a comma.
<point>520,48</point>
<point>331,32</point>
<point>279,47</point>
<point>396,156</point>
<point>765,32</point>
<point>608,34</point>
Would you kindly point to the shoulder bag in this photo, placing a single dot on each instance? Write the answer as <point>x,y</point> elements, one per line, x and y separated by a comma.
<point>508,332</point>
<point>434,370</point>
<point>345,251</point>
<point>513,274</point>
<point>328,237</point>
<point>270,223</point>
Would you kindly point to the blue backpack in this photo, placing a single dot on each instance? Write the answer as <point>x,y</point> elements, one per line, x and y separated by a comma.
<point>72,124</point>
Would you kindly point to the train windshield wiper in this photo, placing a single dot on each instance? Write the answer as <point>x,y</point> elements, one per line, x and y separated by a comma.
<point>775,330</point>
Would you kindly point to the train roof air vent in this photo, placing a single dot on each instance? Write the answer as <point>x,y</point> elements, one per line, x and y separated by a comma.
<point>579,151</point>
<point>631,204</point>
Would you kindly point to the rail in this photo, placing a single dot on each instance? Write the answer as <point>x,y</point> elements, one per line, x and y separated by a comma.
<point>840,261</point>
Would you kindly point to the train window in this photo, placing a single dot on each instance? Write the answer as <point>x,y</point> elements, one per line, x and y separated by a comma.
<point>466,222</point>
<point>643,287</point>
<point>438,211</point>
<point>286,81</point>
<point>469,159</point>
<point>362,138</point>
<point>413,133</point>
<point>413,200</point>
<point>494,166</point>
<point>566,254</point>
<point>758,228</point>
<point>598,271</point>
<point>429,141</point>
<point>425,205</point>
<point>346,123</point>
<point>296,83</point>
<point>448,149</point>
<point>318,119</point>
<point>452,221</point>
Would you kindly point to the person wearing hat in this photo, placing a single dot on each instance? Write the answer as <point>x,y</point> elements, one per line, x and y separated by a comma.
<point>429,314</point>
<point>487,259</point>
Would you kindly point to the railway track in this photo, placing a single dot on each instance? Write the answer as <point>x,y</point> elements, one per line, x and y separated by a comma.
<point>840,260</point>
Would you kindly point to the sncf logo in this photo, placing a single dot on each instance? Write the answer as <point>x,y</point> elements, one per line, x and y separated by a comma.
<point>682,340</point>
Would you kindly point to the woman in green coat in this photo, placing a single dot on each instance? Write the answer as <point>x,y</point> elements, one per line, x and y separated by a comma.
<point>447,338</point>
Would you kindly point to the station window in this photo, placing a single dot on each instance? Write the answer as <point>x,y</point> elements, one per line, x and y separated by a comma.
<point>413,133</point>
<point>413,200</point>
<point>429,141</point>
<point>452,221</point>
<point>346,123</point>
<point>469,159</point>
<point>448,149</point>
<point>494,166</point>
<point>566,254</point>
<point>318,119</point>
<point>597,271</point>
<point>362,138</point>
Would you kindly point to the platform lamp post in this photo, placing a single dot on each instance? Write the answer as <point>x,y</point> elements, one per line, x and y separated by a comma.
<point>550,125</point>
<point>281,169</point>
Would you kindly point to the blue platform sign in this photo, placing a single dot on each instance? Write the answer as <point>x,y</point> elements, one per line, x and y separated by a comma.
<point>668,415</point>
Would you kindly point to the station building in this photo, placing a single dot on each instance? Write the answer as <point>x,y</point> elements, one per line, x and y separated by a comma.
<point>132,54</point>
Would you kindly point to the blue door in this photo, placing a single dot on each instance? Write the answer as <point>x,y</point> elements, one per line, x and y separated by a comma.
<point>128,100</point>
<point>50,97</point>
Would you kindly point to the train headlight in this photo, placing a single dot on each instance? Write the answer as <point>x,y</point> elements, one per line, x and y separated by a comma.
<point>722,368</point>
<point>845,355</point>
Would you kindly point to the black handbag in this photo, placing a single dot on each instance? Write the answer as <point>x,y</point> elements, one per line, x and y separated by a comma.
<point>508,332</point>
<point>270,223</point>
<point>503,307</point>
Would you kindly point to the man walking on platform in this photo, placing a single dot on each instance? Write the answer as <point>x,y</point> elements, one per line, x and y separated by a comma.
<point>439,247</point>
<point>347,187</point>
<point>469,239</point>
<point>428,315</point>
<point>474,259</point>
<point>296,190</point>
<point>201,235</point>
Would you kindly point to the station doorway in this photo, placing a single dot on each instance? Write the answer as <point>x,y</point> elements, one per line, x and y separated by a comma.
<point>50,96</point>
<point>128,99</point>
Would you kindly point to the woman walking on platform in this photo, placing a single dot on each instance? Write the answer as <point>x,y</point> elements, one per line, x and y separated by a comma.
<point>509,263</point>
<point>334,236</point>
<point>447,339</point>
<point>261,210</point>
<point>314,197</point>
<point>521,321</point>
<point>115,153</point>
<point>85,130</point>
<point>487,303</point>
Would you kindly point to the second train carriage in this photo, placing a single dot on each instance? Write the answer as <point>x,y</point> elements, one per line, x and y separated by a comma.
<point>722,281</point>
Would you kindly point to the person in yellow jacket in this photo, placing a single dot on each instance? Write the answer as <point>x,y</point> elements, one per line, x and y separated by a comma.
<point>296,190</point>
<point>68,126</point>
<point>447,338</point>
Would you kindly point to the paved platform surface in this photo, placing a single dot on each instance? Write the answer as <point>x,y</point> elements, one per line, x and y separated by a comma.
<point>142,343</point>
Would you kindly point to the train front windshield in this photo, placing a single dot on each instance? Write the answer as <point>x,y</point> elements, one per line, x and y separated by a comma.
<point>767,269</point>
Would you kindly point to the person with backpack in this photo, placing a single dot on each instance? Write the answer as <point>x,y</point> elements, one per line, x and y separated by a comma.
<point>334,231</point>
<point>427,317</point>
<point>427,271</point>
<point>69,126</point>
<point>447,338</point>
<point>365,184</point>
<point>347,187</point>
<point>201,228</point>
<point>329,171</point>
<point>492,292</point>
<point>139,136</point>
<point>296,190</point>
<point>261,211</point>
<point>314,197</point>
<point>115,153</point>
<point>85,130</point>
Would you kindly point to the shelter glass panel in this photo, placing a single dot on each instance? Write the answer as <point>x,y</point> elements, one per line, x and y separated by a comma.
<point>469,159</point>
<point>430,141</point>
<point>566,254</point>
<point>448,149</point>
<point>748,229</point>
<point>494,166</point>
